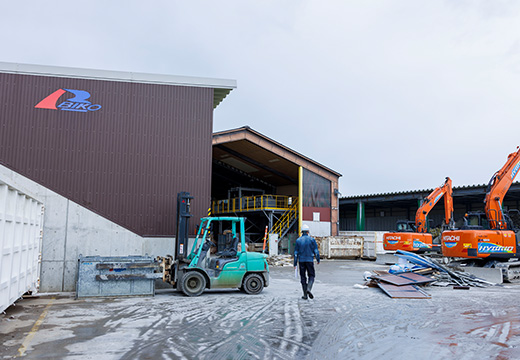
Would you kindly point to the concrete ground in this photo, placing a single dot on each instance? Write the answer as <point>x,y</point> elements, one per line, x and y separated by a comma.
<point>342,322</point>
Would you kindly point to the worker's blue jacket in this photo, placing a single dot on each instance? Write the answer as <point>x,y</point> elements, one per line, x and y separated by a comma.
<point>306,249</point>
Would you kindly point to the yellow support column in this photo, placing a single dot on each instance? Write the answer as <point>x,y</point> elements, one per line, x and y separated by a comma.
<point>300,196</point>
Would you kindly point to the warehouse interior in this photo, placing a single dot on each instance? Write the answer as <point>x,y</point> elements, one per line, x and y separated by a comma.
<point>259,178</point>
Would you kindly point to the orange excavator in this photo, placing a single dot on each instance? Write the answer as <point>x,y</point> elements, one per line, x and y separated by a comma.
<point>490,235</point>
<point>414,236</point>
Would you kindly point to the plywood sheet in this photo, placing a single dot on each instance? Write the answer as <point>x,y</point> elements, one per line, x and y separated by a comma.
<point>394,279</point>
<point>404,278</point>
<point>403,291</point>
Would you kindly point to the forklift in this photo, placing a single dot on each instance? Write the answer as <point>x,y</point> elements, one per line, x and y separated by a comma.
<point>201,268</point>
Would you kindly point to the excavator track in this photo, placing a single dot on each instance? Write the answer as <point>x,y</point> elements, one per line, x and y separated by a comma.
<point>510,270</point>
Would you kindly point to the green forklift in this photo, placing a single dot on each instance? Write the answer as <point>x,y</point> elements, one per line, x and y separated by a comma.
<point>208,265</point>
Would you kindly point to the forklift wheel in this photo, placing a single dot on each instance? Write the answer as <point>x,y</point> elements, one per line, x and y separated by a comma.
<point>193,283</point>
<point>253,284</point>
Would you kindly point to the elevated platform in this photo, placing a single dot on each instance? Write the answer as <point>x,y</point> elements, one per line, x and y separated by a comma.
<point>271,203</point>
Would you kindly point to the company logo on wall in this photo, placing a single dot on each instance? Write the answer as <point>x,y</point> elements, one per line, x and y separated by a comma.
<point>77,103</point>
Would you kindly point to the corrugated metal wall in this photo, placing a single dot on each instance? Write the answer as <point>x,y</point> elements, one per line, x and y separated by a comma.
<point>126,161</point>
<point>388,223</point>
<point>373,223</point>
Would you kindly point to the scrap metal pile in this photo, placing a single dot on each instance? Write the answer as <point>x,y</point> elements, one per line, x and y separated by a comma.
<point>412,270</point>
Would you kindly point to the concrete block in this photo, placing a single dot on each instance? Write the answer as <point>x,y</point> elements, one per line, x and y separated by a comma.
<point>54,231</point>
<point>51,279</point>
<point>158,246</point>
<point>125,245</point>
<point>489,274</point>
<point>386,259</point>
<point>70,275</point>
<point>90,234</point>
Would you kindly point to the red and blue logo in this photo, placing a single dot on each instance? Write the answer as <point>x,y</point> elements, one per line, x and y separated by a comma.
<point>77,103</point>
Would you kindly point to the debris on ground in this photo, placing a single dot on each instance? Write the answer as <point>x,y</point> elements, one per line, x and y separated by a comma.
<point>444,274</point>
<point>280,260</point>
<point>359,286</point>
<point>403,291</point>
<point>402,285</point>
<point>404,279</point>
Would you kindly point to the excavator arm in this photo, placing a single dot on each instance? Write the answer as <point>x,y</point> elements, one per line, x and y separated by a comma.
<point>497,189</point>
<point>430,201</point>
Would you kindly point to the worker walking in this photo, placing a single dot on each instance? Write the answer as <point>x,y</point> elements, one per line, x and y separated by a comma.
<point>305,251</point>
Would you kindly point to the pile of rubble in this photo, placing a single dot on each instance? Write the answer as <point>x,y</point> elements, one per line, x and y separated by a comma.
<point>404,278</point>
<point>280,260</point>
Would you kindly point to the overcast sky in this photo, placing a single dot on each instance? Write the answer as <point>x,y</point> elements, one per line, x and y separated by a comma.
<point>395,95</point>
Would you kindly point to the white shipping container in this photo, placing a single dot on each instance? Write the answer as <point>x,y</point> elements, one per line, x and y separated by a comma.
<point>21,221</point>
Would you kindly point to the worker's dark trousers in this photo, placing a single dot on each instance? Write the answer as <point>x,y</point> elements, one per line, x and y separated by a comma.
<point>307,269</point>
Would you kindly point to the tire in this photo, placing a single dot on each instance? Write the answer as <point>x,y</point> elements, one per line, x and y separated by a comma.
<point>193,283</point>
<point>253,284</point>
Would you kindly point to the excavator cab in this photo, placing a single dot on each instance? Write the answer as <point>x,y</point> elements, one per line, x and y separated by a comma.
<point>405,226</point>
<point>475,221</point>
<point>513,219</point>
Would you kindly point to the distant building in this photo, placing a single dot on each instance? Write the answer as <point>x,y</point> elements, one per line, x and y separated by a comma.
<point>379,212</point>
<point>255,176</point>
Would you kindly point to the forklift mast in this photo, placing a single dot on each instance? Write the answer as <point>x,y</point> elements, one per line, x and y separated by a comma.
<point>183,225</point>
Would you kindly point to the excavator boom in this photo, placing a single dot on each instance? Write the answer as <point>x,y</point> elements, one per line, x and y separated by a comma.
<point>497,188</point>
<point>419,239</point>
<point>432,199</point>
<point>498,241</point>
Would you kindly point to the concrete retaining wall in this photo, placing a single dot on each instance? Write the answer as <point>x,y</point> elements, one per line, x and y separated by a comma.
<point>70,230</point>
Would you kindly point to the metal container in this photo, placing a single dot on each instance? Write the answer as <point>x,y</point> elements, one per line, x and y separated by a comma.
<point>340,247</point>
<point>21,221</point>
<point>116,276</point>
<point>373,242</point>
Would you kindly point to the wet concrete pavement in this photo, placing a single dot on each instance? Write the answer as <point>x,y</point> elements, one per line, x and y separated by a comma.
<point>342,322</point>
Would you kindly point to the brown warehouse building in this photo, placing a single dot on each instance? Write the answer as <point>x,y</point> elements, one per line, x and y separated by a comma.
<point>107,152</point>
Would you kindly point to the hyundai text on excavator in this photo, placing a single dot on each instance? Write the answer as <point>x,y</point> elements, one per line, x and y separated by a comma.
<point>414,236</point>
<point>490,236</point>
<point>199,269</point>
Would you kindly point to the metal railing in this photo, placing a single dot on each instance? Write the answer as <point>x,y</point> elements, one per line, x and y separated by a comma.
<point>286,221</point>
<point>253,203</point>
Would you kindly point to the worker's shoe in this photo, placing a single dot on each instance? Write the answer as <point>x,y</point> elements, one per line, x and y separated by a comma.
<point>309,288</point>
<point>304,288</point>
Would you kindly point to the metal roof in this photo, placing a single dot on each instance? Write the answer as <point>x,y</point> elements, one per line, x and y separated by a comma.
<point>476,191</point>
<point>221,87</point>
<point>276,158</point>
